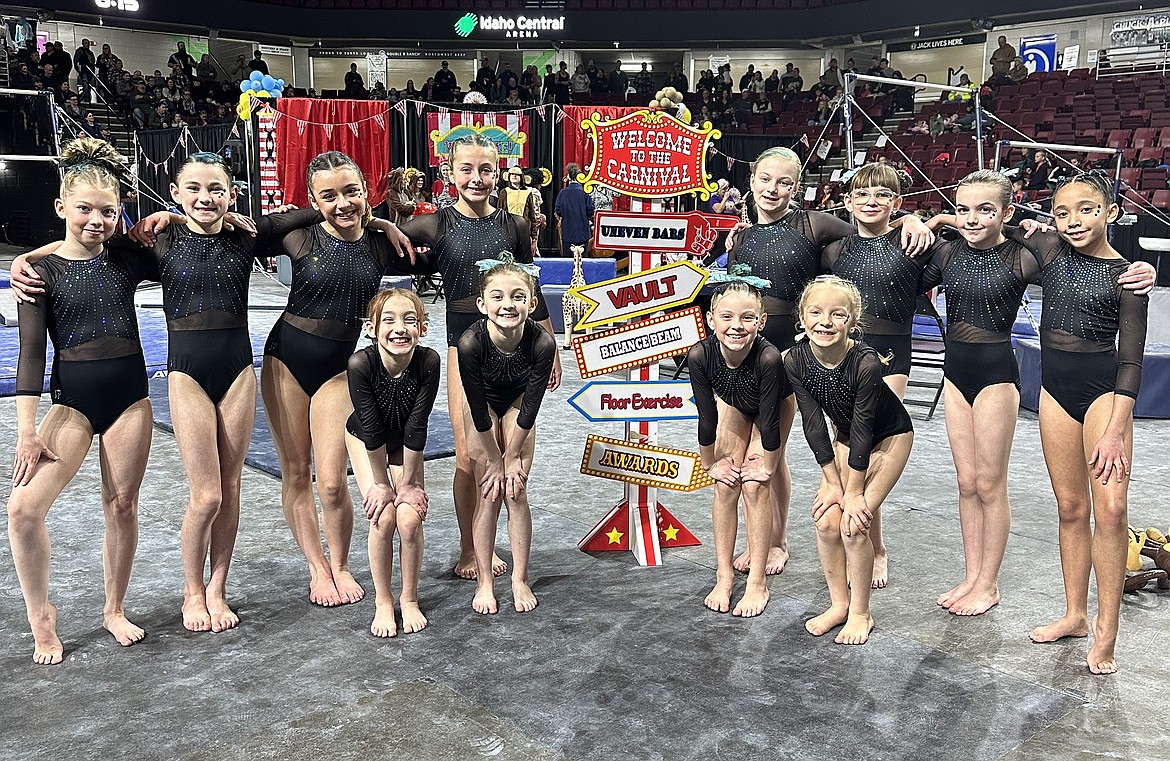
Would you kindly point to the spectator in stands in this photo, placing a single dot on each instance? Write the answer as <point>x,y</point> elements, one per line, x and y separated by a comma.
<point>22,78</point>
<point>677,79</point>
<point>591,72</point>
<point>579,84</point>
<point>706,81</point>
<point>772,83</point>
<point>701,116</point>
<point>756,86</point>
<point>378,92</point>
<point>722,200</point>
<point>498,92</point>
<point>600,84</point>
<point>105,64</point>
<point>430,91</point>
<point>154,118</point>
<point>1040,171</point>
<point>240,70</point>
<point>530,85</point>
<point>90,126</point>
<point>724,112</point>
<point>124,86</point>
<point>824,109</point>
<point>514,98</point>
<point>187,106</point>
<point>1018,71</point>
<point>562,83</point>
<point>445,83</point>
<point>49,77</point>
<point>969,89</point>
<point>85,64</point>
<point>457,94</point>
<point>182,59</point>
<point>762,106</point>
<point>788,74</point>
<point>619,83</point>
<point>257,63</point>
<point>795,82</point>
<point>410,92</point>
<point>574,211</point>
<point>920,127</point>
<point>171,91</point>
<point>832,80</point>
<point>355,86</point>
<point>1001,59</point>
<point>205,69</point>
<point>485,77</point>
<point>747,78</point>
<point>549,85</point>
<point>724,78</point>
<point>62,64</point>
<point>222,115</point>
<point>72,107</point>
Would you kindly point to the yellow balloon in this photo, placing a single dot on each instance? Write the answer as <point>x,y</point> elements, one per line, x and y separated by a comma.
<point>243,110</point>
<point>263,94</point>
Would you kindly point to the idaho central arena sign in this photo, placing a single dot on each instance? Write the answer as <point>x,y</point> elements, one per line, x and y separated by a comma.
<point>649,154</point>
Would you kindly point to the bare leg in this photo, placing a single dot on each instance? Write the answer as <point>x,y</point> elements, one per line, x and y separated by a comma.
<point>520,518</point>
<point>881,560</point>
<point>380,544</point>
<point>731,440</point>
<point>123,450</point>
<point>832,554</point>
<point>780,487</point>
<point>961,437</point>
<point>287,407</point>
<point>410,538</point>
<point>67,433</point>
<point>1064,454</point>
<point>328,411</point>
<point>758,508</point>
<point>466,487</point>
<point>483,524</point>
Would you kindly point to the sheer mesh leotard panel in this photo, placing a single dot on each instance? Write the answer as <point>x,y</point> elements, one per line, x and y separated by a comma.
<point>885,275</point>
<point>392,412</point>
<point>755,388</point>
<point>496,380</point>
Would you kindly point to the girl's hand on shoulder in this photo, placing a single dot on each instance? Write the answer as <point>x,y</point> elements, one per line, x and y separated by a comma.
<point>1139,278</point>
<point>397,238</point>
<point>1030,226</point>
<point>416,497</point>
<point>377,499</point>
<point>234,221</point>
<point>725,472</point>
<point>826,497</point>
<point>916,236</point>
<point>25,281</point>
<point>856,515</point>
<point>30,450</point>
<point>145,232</point>
<point>739,227</point>
<point>286,207</point>
<point>1109,458</point>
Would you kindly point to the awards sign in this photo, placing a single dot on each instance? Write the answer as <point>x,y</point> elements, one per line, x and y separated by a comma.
<point>640,293</point>
<point>635,400</point>
<point>639,343</point>
<point>644,464</point>
<point>649,154</point>
<point>691,233</point>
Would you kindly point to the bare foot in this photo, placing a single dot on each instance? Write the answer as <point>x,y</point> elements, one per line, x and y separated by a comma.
<point>522,597</point>
<point>777,559</point>
<point>412,618</point>
<point>752,603</point>
<point>856,630</point>
<point>196,618</point>
<point>947,598</point>
<point>499,567</point>
<point>719,600</point>
<point>465,568</point>
<point>384,625</point>
<point>1101,658</point>
<point>1065,626</point>
<point>484,600</point>
<point>347,587</point>
<point>881,571</point>
<point>47,648</point>
<point>222,617</point>
<point>976,603</point>
<point>125,632</point>
<point>322,590</point>
<point>827,621</point>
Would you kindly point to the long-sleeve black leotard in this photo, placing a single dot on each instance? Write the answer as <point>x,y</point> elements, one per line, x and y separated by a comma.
<point>755,388</point>
<point>862,407</point>
<point>392,412</point>
<point>492,379</point>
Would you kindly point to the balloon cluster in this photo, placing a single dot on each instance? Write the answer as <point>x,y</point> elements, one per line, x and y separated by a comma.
<point>669,98</point>
<point>260,86</point>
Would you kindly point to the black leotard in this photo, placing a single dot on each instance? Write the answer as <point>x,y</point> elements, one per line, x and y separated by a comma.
<point>457,242</point>
<point>755,388</point>
<point>333,282</point>
<point>87,310</point>
<point>392,412</point>
<point>787,253</point>
<point>496,380</point>
<point>885,275</point>
<point>862,407</point>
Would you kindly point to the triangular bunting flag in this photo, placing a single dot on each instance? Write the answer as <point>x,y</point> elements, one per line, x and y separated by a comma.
<point>730,161</point>
<point>560,116</point>
<point>400,107</point>
<point>540,113</point>
<point>328,130</point>
<point>236,129</point>
<point>443,111</point>
<point>418,107</point>
<point>380,121</point>
<point>353,128</point>
<point>301,127</point>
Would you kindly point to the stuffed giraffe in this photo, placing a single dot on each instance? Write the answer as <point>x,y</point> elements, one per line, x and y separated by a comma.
<point>572,307</point>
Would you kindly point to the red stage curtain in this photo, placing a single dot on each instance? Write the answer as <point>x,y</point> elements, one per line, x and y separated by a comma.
<point>578,146</point>
<point>358,128</point>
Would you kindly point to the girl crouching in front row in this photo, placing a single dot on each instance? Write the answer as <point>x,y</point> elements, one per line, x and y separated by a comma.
<point>833,373</point>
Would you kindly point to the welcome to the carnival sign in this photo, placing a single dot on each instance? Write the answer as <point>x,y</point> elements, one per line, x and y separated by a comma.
<point>649,154</point>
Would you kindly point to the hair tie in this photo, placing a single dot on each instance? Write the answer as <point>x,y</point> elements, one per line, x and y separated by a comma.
<point>507,257</point>
<point>740,273</point>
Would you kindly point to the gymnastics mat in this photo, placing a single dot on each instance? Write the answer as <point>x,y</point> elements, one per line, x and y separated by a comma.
<point>262,450</point>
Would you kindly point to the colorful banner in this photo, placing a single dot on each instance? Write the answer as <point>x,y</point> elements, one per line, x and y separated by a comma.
<point>641,293</point>
<point>645,464</point>
<point>690,233</point>
<point>639,343</point>
<point>507,130</point>
<point>635,400</point>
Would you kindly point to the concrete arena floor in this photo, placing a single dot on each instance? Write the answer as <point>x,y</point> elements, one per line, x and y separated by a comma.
<point>618,661</point>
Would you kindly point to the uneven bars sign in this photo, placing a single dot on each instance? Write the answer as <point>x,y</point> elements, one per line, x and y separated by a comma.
<point>629,401</point>
<point>644,464</point>
<point>691,233</point>
<point>649,154</point>
<point>639,293</point>
<point>639,343</point>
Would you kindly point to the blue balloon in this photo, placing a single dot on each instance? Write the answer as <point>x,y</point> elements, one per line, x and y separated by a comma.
<point>255,86</point>
<point>281,83</point>
<point>268,82</point>
<point>245,85</point>
<point>275,94</point>
<point>256,76</point>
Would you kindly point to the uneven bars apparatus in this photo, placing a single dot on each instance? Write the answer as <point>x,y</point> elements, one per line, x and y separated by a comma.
<point>56,128</point>
<point>851,79</point>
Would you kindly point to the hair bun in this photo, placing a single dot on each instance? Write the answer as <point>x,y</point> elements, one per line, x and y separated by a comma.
<point>92,150</point>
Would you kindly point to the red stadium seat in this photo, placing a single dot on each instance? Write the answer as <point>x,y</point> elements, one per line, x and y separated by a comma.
<point>1118,138</point>
<point>1161,199</point>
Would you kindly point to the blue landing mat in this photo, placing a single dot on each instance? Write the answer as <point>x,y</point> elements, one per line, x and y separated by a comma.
<point>262,451</point>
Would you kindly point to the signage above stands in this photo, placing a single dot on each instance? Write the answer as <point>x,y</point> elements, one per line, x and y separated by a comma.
<point>510,26</point>
<point>319,52</point>
<point>129,6</point>
<point>945,42</point>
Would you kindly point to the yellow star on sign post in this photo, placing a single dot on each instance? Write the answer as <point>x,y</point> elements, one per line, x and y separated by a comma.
<point>615,536</point>
<point>671,533</point>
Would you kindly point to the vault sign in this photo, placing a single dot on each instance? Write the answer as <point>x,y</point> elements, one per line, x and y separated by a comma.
<point>651,290</point>
<point>649,154</point>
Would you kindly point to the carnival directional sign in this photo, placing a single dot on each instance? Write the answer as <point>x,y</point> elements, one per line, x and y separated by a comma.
<point>649,154</point>
<point>635,400</point>
<point>639,343</point>
<point>640,293</point>
<point>691,233</point>
<point>643,464</point>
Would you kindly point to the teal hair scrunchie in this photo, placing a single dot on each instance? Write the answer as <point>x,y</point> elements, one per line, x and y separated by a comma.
<point>506,257</point>
<point>740,273</point>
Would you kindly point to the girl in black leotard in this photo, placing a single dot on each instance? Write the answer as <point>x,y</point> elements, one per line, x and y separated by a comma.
<point>393,384</point>
<point>459,236</point>
<point>1092,336</point>
<point>841,377</point>
<point>739,435</point>
<point>98,386</point>
<point>785,249</point>
<point>504,366</point>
